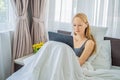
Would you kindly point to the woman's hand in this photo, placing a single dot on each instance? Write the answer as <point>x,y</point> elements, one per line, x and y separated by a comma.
<point>76,37</point>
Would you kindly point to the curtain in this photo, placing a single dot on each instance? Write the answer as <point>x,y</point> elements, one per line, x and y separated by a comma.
<point>22,44</point>
<point>105,13</point>
<point>100,13</point>
<point>113,18</point>
<point>38,32</point>
<point>5,54</point>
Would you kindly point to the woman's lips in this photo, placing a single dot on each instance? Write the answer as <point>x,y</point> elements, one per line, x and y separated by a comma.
<point>77,31</point>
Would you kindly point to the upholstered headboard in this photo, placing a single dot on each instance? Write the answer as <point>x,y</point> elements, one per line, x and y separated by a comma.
<point>64,32</point>
<point>115,48</point>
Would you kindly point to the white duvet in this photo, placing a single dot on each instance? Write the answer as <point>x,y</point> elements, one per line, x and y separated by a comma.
<point>57,61</point>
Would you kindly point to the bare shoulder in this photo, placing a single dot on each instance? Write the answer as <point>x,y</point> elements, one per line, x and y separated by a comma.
<point>90,43</point>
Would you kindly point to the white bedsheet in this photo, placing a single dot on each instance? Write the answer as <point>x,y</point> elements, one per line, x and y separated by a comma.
<point>57,61</point>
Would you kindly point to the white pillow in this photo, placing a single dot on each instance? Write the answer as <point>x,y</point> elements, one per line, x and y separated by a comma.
<point>98,32</point>
<point>103,55</point>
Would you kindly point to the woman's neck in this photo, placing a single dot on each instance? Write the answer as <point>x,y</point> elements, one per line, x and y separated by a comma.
<point>80,37</point>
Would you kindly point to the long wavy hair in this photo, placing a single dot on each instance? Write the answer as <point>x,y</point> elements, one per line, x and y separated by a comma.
<point>88,34</point>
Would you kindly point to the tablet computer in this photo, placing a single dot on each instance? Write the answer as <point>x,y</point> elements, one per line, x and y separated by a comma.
<point>67,39</point>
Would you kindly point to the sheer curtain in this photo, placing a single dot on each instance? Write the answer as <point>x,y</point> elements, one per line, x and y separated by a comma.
<point>113,20</point>
<point>105,13</point>
<point>6,31</point>
<point>102,13</point>
<point>60,14</point>
<point>5,54</point>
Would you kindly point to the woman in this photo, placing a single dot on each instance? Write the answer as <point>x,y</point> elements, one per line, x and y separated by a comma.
<point>84,43</point>
<point>57,61</point>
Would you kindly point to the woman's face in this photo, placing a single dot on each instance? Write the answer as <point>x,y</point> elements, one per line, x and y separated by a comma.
<point>79,26</point>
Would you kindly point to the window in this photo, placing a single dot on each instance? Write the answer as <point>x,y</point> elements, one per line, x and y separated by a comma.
<point>6,15</point>
<point>63,10</point>
<point>101,8</point>
<point>61,13</point>
<point>3,11</point>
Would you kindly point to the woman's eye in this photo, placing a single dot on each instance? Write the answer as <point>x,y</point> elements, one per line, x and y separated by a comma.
<point>79,25</point>
<point>74,25</point>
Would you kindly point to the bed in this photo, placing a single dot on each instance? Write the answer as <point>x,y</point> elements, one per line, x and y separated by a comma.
<point>115,52</point>
<point>100,71</point>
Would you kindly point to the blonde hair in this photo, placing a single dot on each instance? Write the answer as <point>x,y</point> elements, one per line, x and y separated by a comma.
<point>88,34</point>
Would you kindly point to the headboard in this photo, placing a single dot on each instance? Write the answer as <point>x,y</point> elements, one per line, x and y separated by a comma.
<point>64,32</point>
<point>115,48</point>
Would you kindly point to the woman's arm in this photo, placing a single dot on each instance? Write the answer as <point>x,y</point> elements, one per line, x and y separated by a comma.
<point>89,46</point>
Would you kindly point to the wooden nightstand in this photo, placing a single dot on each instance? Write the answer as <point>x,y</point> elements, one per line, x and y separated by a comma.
<point>20,62</point>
